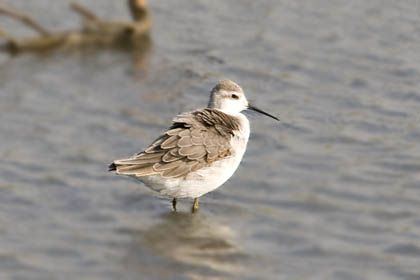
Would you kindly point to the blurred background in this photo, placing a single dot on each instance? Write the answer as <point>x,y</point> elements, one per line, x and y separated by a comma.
<point>331,192</point>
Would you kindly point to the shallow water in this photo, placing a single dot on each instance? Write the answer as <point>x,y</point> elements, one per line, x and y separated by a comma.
<point>330,193</point>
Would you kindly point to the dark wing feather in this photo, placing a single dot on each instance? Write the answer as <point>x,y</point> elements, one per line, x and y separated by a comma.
<point>194,140</point>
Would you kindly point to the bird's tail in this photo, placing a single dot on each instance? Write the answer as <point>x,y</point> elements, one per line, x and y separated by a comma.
<point>112,167</point>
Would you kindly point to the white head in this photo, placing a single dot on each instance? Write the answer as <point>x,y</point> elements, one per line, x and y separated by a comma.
<point>229,98</point>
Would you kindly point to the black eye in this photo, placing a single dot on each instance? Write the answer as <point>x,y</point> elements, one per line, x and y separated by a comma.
<point>234,96</point>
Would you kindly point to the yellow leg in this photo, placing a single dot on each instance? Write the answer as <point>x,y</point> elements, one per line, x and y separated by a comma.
<point>195,205</point>
<point>174,204</point>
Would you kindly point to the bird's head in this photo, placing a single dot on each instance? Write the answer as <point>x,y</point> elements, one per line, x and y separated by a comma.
<point>229,98</point>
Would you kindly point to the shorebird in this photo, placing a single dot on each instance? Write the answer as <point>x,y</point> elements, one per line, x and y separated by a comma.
<point>199,152</point>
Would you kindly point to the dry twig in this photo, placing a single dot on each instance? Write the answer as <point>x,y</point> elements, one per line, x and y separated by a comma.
<point>25,19</point>
<point>84,12</point>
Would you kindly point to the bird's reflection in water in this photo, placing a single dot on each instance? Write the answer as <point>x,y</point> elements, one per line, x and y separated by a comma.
<point>140,51</point>
<point>188,245</point>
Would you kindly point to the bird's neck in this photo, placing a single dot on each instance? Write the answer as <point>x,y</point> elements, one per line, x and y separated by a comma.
<point>243,123</point>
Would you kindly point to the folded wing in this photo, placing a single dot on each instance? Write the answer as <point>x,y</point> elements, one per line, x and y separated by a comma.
<point>195,140</point>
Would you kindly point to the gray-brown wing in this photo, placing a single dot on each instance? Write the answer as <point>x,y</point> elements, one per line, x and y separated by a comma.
<point>190,144</point>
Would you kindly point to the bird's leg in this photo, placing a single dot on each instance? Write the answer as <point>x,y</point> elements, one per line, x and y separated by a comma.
<point>195,205</point>
<point>174,204</point>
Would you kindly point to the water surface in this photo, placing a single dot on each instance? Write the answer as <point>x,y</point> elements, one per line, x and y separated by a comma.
<point>330,193</point>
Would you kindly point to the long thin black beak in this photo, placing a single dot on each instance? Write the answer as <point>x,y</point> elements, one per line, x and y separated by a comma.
<point>250,107</point>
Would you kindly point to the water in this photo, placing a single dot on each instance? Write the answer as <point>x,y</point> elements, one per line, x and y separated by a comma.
<point>330,193</point>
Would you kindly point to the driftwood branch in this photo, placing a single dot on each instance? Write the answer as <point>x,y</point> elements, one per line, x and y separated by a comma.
<point>138,9</point>
<point>25,19</point>
<point>84,12</point>
<point>11,45</point>
<point>94,32</point>
<point>7,37</point>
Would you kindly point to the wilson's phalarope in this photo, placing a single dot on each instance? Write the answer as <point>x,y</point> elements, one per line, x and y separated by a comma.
<point>199,152</point>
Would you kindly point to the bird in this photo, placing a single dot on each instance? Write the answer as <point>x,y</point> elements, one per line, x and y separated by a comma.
<point>199,152</point>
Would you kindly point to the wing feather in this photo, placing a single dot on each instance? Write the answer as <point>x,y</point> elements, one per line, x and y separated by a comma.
<point>194,140</point>
<point>169,157</point>
<point>192,151</point>
<point>174,131</point>
<point>169,143</point>
<point>162,166</point>
<point>138,170</point>
<point>185,141</point>
<point>178,172</point>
